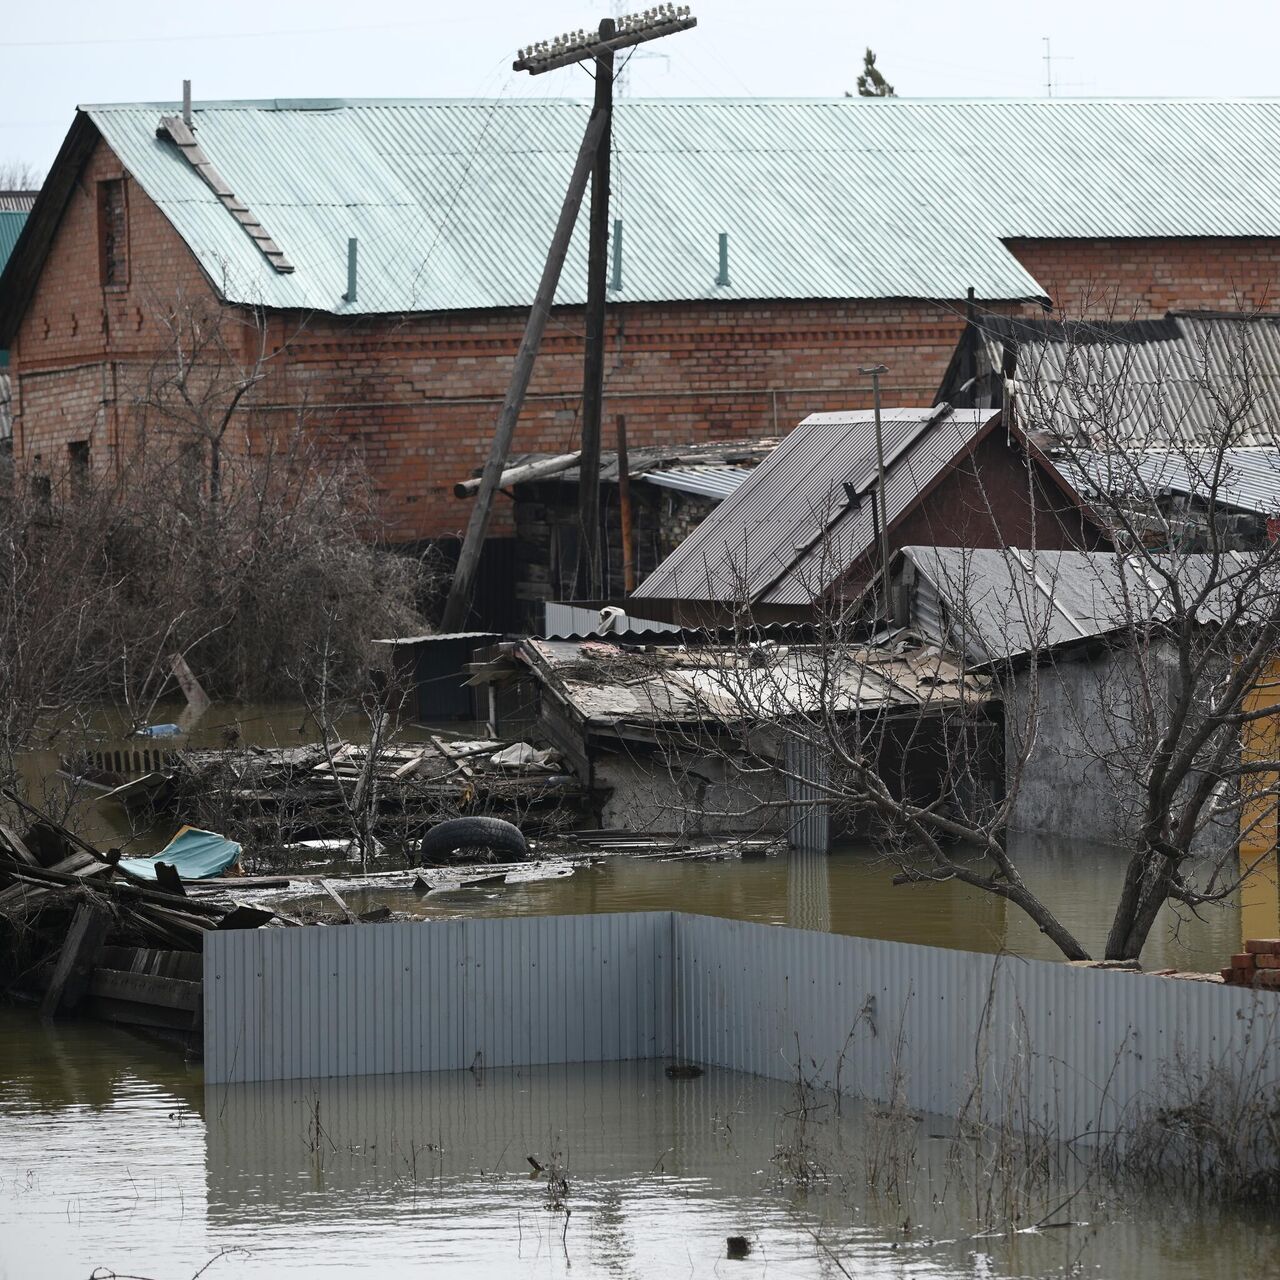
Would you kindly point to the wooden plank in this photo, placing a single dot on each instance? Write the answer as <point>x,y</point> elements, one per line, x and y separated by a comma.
<point>244,917</point>
<point>14,842</point>
<point>169,880</point>
<point>76,960</point>
<point>145,988</point>
<point>160,963</point>
<point>413,765</point>
<point>348,914</point>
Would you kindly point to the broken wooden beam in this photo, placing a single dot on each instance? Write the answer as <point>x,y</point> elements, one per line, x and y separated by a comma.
<point>76,960</point>
<point>347,913</point>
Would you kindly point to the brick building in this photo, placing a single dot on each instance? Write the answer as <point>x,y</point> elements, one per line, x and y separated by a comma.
<point>856,230</point>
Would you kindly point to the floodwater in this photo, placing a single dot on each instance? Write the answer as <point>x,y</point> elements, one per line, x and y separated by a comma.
<point>850,892</point>
<point>113,1154</point>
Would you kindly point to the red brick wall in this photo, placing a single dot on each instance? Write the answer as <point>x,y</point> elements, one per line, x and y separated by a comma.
<point>418,396</point>
<point>1143,279</point>
<point>80,343</point>
<point>420,399</point>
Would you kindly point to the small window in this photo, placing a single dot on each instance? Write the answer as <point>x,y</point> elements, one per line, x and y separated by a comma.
<point>78,463</point>
<point>113,253</point>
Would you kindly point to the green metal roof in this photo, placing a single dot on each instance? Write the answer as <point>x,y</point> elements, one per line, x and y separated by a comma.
<point>453,202</point>
<point>10,225</point>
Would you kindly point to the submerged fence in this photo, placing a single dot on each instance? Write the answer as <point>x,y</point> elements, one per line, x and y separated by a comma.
<point>1072,1049</point>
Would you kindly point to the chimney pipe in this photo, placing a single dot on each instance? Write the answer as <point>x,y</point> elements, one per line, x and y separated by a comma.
<point>615,284</point>
<point>186,103</point>
<point>352,247</point>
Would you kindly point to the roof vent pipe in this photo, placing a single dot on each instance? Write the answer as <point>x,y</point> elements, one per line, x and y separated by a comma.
<point>352,249</point>
<point>615,281</point>
<point>722,276</point>
<point>186,103</point>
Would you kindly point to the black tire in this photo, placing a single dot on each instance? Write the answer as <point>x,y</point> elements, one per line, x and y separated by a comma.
<point>495,834</point>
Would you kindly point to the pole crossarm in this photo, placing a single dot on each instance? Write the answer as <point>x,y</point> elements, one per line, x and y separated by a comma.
<point>579,46</point>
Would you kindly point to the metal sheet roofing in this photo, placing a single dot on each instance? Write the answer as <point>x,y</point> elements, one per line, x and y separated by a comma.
<point>1188,379</point>
<point>453,202</point>
<point>11,224</point>
<point>17,201</point>
<point>705,481</point>
<point>800,518</point>
<point>1004,602</point>
<point>1241,479</point>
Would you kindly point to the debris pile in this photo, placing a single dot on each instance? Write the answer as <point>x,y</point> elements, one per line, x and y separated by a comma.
<point>80,931</point>
<point>273,796</point>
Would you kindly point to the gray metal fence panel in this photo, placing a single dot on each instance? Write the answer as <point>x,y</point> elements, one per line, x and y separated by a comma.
<point>1072,1049</point>
<point>808,817</point>
<point>1047,1044</point>
<point>371,1000</point>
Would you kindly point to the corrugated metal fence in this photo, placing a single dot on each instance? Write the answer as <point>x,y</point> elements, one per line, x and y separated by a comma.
<point>1073,1050</point>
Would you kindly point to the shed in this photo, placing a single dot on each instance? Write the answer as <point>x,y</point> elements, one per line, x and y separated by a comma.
<point>802,530</point>
<point>434,669</point>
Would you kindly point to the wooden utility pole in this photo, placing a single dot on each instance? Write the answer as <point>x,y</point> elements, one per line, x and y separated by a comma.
<point>882,518</point>
<point>593,160</point>
<point>624,510</point>
<point>589,585</point>
<point>458,605</point>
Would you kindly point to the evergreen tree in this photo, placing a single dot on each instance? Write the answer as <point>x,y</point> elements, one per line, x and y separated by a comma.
<point>871,84</point>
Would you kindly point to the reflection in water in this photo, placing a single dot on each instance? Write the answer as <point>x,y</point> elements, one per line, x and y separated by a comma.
<point>808,891</point>
<point>111,1154</point>
<point>851,892</point>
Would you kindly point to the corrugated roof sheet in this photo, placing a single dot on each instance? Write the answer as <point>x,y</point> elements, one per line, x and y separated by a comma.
<point>453,202</point>
<point>17,201</point>
<point>11,224</point>
<point>1004,602</point>
<point>1188,379</point>
<point>792,526</point>
<point>1242,479</point>
<point>706,481</point>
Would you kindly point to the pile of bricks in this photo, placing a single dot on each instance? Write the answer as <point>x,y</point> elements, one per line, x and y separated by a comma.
<point>1258,965</point>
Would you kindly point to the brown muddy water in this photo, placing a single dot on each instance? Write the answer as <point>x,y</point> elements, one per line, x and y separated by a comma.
<point>848,892</point>
<point>113,1154</point>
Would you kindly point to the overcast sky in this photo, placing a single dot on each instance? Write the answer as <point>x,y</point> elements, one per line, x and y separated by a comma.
<point>62,52</point>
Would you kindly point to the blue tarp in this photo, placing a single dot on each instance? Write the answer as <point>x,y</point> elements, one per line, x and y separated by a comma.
<point>196,854</point>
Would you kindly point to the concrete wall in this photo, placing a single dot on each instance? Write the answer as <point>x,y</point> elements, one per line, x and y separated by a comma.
<point>1078,779</point>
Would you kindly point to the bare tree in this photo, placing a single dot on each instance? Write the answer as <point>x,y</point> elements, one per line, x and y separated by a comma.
<point>20,175</point>
<point>228,540</point>
<point>1151,705</point>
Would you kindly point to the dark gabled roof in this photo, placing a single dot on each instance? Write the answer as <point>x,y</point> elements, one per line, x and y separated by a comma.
<point>18,279</point>
<point>803,516</point>
<point>1188,379</point>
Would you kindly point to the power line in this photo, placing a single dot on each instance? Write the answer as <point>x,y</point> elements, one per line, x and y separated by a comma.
<point>205,36</point>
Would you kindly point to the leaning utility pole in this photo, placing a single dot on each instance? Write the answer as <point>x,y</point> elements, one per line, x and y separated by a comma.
<point>587,578</point>
<point>593,160</point>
